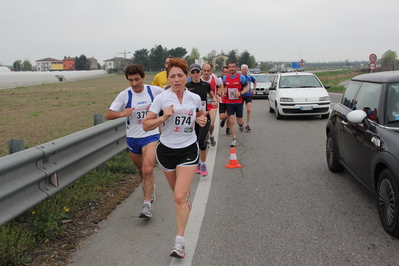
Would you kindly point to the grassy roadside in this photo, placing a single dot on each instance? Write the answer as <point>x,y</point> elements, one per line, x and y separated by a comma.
<point>334,78</point>
<point>44,234</point>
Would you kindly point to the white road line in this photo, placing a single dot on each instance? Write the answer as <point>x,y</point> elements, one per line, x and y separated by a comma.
<point>200,201</point>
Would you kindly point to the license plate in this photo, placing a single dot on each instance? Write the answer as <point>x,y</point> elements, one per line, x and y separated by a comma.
<point>307,107</point>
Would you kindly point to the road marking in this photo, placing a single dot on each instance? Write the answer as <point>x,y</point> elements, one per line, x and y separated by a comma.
<point>200,201</point>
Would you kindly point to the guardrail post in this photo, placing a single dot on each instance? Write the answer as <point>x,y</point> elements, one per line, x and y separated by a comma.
<point>99,119</point>
<point>15,145</point>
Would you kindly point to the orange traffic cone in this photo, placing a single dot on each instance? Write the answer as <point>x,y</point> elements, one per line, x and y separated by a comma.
<point>233,160</point>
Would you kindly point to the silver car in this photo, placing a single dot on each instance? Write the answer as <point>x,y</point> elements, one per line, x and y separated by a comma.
<point>263,84</point>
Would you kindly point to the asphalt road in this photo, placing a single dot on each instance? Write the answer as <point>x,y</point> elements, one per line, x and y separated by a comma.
<point>284,207</point>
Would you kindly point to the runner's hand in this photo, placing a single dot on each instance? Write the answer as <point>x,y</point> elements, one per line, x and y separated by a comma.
<point>127,112</point>
<point>202,119</point>
<point>168,111</point>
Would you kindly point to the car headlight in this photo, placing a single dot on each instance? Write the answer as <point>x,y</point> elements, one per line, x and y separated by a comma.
<point>284,99</point>
<point>324,98</point>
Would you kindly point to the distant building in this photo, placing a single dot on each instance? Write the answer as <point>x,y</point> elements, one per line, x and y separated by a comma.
<point>218,61</point>
<point>69,63</point>
<point>45,64</point>
<point>92,63</point>
<point>57,65</point>
<point>118,63</point>
<point>280,65</point>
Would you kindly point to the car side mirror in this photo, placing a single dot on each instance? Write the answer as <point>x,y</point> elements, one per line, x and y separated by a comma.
<point>360,116</point>
<point>272,88</point>
<point>327,87</point>
<point>356,116</point>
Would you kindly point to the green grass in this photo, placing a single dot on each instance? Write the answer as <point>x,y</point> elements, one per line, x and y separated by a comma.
<point>44,222</point>
<point>334,78</point>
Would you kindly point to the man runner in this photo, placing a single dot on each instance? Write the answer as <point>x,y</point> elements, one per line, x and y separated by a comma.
<point>134,103</point>
<point>236,85</point>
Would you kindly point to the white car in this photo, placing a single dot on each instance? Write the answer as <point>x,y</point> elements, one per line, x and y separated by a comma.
<point>298,94</point>
<point>263,84</point>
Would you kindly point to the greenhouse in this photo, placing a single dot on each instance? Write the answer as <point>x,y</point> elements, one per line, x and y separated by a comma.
<point>24,79</point>
<point>4,69</point>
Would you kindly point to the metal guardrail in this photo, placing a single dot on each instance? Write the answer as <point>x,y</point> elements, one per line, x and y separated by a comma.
<point>30,176</point>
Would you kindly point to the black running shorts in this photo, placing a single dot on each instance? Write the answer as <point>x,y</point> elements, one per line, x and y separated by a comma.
<point>169,158</point>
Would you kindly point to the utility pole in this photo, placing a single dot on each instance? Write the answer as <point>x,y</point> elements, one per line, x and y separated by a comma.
<point>124,53</point>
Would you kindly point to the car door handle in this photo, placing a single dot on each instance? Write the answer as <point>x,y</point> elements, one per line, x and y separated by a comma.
<point>344,122</point>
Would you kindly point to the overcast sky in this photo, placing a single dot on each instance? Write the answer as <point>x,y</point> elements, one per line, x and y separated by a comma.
<point>281,30</point>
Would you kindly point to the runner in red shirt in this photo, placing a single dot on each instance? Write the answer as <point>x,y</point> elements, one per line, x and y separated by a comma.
<point>236,85</point>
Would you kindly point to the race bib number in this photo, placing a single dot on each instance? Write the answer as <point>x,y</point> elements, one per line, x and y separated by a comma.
<point>231,94</point>
<point>183,121</point>
<point>139,113</point>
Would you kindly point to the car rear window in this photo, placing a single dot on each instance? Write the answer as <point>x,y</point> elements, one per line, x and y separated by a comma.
<point>262,78</point>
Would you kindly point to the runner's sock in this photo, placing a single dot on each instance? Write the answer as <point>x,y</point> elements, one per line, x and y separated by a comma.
<point>148,202</point>
<point>180,237</point>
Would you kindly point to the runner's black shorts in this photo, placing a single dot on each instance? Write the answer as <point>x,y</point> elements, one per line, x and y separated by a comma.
<point>247,99</point>
<point>235,109</point>
<point>169,158</point>
<point>222,108</point>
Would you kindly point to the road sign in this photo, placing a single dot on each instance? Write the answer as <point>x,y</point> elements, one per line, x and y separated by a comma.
<point>373,58</point>
<point>372,66</point>
<point>302,62</point>
<point>295,65</point>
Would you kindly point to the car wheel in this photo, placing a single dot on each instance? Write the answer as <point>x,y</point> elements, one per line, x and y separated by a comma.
<point>325,116</point>
<point>278,115</point>
<point>271,110</point>
<point>332,155</point>
<point>388,201</point>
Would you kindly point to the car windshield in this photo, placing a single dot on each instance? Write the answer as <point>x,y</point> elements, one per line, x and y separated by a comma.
<point>262,78</point>
<point>392,104</point>
<point>299,81</point>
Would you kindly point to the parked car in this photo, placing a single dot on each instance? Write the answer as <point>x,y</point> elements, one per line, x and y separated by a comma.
<point>254,70</point>
<point>363,138</point>
<point>283,70</point>
<point>298,94</point>
<point>263,84</point>
<point>273,71</point>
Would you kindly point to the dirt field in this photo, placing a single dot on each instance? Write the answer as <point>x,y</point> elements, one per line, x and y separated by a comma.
<point>43,113</point>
